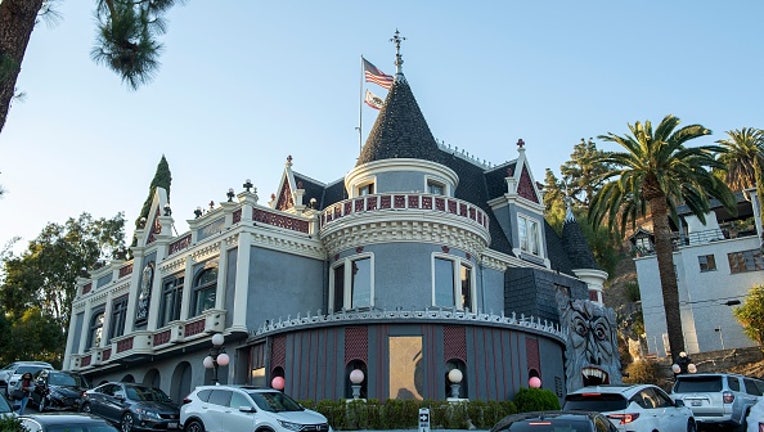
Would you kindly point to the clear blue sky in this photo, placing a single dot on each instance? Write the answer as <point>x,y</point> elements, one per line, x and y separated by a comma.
<point>243,84</point>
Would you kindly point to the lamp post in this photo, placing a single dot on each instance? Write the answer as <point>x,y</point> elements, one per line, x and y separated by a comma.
<point>217,356</point>
<point>356,378</point>
<point>455,377</point>
<point>683,365</point>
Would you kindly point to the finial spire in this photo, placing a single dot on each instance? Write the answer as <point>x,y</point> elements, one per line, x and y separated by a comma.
<point>397,39</point>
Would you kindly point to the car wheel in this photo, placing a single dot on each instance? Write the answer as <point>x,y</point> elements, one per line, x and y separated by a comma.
<point>42,405</point>
<point>86,408</point>
<point>194,426</point>
<point>127,423</point>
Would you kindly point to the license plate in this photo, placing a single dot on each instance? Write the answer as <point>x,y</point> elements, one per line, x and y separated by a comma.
<point>172,425</point>
<point>695,403</point>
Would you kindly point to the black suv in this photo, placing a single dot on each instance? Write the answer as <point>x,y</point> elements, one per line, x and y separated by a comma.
<point>58,390</point>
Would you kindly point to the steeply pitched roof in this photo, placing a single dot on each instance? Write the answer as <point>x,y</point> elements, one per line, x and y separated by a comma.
<point>400,130</point>
<point>575,244</point>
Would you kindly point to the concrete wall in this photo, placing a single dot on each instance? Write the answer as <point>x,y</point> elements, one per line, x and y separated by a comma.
<point>702,296</point>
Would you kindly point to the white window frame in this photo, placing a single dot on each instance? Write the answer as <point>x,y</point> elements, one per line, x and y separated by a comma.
<point>347,301</point>
<point>428,180</point>
<point>362,189</point>
<point>524,221</point>
<point>457,264</point>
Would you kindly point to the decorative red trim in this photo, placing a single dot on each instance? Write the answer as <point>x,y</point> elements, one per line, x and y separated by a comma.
<point>106,354</point>
<point>88,286</point>
<point>237,215</point>
<point>193,328</point>
<point>86,360</point>
<point>125,344</point>
<point>162,338</point>
<point>125,270</point>
<point>180,244</point>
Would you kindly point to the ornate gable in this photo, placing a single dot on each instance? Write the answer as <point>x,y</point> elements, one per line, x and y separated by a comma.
<point>153,226</point>
<point>285,198</point>
<point>525,187</point>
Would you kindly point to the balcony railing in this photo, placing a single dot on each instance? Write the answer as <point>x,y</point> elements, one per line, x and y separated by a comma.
<point>145,342</point>
<point>404,201</point>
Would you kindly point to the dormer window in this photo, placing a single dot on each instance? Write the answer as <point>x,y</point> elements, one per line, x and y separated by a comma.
<point>366,189</point>
<point>529,235</point>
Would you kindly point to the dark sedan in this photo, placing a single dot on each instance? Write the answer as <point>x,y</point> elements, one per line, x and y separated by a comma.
<point>58,390</point>
<point>554,421</point>
<point>65,422</point>
<point>134,407</point>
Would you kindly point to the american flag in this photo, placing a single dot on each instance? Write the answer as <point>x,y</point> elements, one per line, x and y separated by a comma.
<point>376,76</point>
<point>373,100</point>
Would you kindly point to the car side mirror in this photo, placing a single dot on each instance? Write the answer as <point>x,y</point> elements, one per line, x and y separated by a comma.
<point>679,403</point>
<point>247,409</point>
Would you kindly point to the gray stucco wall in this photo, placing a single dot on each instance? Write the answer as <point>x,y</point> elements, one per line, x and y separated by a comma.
<point>282,284</point>
<point>491,285</point>
<point>403,273</point>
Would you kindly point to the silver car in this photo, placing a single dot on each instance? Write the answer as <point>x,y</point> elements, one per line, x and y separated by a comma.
<point>718,398</point>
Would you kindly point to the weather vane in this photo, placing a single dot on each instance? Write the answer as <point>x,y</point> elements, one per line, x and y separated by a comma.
<point>397,39</point>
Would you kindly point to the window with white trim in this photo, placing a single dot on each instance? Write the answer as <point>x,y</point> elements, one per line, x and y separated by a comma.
<point>366,189</point>
<point>352,283</point>
<point>205,290</point>
<point>529,235</point>
<point>436,188</point>
<point>452,283</point>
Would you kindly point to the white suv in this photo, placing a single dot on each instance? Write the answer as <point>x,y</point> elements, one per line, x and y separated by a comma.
<point>222,408</point>
<point>718,398</point>
<point>638,407</point>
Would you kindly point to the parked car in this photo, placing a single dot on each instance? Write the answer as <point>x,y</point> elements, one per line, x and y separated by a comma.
<point>638,407</point>
<point>58,390</point>
<point>223,408</point>
<point>5,407</point>
<point>755,419</point>
<point>10,375</point>
<point>65,422</point>
<point>133,406</point>
<point>555,421</point>
<point>718,398</point>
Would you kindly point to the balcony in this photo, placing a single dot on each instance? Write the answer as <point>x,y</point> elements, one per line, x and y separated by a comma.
<point>138,345</point>
<point>407,216</point>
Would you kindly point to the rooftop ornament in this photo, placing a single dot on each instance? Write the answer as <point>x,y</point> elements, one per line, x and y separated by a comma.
<point>198,212</point>
<point>248,185</point>
<point>230,194</point>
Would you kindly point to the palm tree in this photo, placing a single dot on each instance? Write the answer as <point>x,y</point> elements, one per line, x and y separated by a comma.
<point>744,160</point>
<point>651,178</point>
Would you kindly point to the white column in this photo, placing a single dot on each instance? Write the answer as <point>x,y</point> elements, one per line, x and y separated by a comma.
<point>135,282</point>
<point>106,329</point>
<point>188,286</point>
<point>220,289</point>
<point>241,290</point>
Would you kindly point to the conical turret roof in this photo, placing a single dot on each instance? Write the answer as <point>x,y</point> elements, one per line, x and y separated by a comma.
<point>400,130</point>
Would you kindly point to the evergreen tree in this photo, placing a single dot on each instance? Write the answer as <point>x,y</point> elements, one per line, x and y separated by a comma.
<point>126,43</point>
<point>581,174</point>
<point>162,178</point>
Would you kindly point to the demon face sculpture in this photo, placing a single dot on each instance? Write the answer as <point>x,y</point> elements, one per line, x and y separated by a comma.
<point>591,352</point>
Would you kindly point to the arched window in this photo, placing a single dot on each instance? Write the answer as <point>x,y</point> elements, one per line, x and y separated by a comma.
<point>96,329</point>
<point>205,288</point>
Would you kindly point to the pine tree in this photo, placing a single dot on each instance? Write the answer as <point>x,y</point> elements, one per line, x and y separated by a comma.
<point>163,179</point>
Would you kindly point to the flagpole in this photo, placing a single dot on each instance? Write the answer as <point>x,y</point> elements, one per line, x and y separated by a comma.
<point>360,111</point>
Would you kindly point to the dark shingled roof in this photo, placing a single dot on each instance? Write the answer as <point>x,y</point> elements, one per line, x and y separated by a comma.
<point>576,246</point>
<point>400,130</point>
<point>313,189</point>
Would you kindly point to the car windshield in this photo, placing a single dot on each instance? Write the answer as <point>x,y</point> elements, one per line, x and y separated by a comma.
<point>31,369</point>
<point>66,380</point>
<point>600,402</point>
<point>550,425</point>
<point>698,384</point>
<point>275,401</point>
<point>146,394</point>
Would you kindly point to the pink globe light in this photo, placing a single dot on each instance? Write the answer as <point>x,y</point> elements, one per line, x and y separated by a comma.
<point>223,359</point>
<point>356,376</point>
<point>534,382</point>
<point>278,383</point>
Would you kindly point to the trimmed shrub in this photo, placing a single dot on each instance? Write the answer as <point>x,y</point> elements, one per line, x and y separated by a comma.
<point>536,399</point>
<point>642,372</point>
